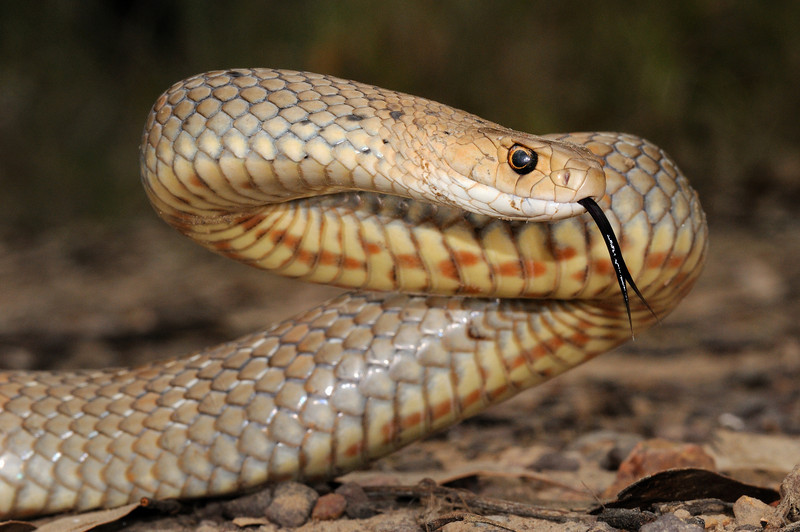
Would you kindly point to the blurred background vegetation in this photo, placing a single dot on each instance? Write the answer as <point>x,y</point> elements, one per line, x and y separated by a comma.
<point>713,82</point>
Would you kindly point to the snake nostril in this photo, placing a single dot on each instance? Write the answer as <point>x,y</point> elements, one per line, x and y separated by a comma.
<point>560,177</point>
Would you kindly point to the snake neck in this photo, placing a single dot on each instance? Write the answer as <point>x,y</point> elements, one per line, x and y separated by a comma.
<point>261,136</point>
<point>231,160</point>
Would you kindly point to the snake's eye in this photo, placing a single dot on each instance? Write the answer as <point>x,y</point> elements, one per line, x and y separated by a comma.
<point>521,159</point>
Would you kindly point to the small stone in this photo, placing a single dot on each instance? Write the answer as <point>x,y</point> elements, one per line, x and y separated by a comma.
<point>207,526</point>
<point>750,511</point>
<point>555,461</point>
<point>253,505</point>
<point>330,506</point>
<point>601,526</point>
<point>670,523</point>
<point>697,520</point>
<point>718,521</point>
<point>682,514</point>
<point>358,503</point>
<point>607,447</point>
<point>652,456</point>
<point>291,504</point>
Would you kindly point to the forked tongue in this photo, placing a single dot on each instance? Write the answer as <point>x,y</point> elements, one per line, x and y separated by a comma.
<point>614,251</point>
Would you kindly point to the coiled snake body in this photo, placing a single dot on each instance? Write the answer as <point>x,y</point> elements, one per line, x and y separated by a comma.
<point>335,181</point>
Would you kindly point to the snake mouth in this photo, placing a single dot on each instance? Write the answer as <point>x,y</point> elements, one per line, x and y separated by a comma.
<point>615,253</point>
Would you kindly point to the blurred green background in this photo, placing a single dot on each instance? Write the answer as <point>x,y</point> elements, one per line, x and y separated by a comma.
<point>713,82</point>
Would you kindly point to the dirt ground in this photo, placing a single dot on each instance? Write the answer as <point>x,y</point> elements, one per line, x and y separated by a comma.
<point>721,371</point>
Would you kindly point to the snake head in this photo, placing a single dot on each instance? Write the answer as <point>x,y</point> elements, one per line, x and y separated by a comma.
<point>532,178</point>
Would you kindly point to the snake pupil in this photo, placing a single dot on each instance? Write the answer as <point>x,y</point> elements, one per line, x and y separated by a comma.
<point>521,159</point>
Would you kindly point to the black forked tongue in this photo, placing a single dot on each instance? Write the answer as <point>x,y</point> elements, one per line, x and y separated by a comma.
<point>614,251</point>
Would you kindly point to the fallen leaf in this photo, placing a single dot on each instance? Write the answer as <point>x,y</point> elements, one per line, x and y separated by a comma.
<point>685,485</point>
<point>78,522</point>
<point>16,526</point>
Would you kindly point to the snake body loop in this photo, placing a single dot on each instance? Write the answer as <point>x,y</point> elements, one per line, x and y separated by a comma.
<point>334,181</point>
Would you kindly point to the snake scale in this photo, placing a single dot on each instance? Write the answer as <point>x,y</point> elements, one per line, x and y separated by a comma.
<point>428,211</point>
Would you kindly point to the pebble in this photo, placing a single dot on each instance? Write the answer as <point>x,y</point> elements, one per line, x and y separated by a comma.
<point>555,461</point>
<point>607,447</point>
<point>329,506</point>
<point>682,514</point>
<point>358,503</point>
<point>651,456</point>
<point>750,511</point>
<point>670,523</point>
<point>253,505</point>
<point>291,504</point>
<point>207,526</point>
<point>601,526</point>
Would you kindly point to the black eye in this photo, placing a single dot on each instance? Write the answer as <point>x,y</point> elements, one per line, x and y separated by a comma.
<point>521,159</point>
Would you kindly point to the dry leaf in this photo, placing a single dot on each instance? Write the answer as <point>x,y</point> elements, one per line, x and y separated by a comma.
<point>88,520</point>
<point>687,484</point>
<point>16,526</point>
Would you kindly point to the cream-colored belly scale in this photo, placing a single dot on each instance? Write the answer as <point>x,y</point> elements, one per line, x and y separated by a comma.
<point>338,182</point>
